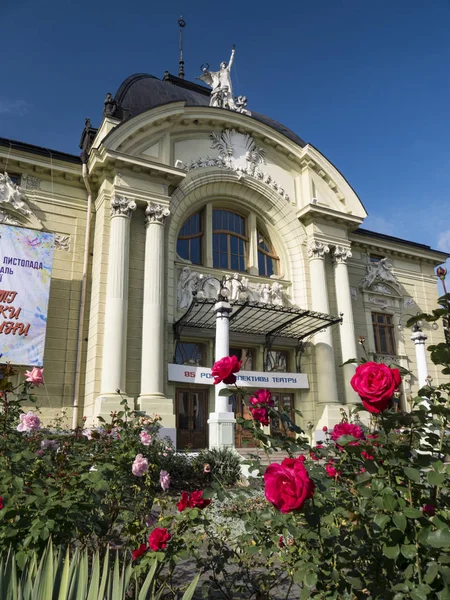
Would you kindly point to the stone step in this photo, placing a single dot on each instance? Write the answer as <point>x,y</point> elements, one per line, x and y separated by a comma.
<point>249,453</point>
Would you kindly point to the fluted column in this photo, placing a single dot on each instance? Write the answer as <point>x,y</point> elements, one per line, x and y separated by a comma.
<point>323,342</point>
<point>419,338</point>
<point>152,366</point>
<point>347,328</point>
<point>116,314</point>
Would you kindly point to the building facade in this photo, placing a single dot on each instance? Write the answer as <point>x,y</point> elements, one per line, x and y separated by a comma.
<point>174,200</point>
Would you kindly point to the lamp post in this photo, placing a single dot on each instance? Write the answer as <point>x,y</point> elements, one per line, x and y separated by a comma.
<point>222,421</point>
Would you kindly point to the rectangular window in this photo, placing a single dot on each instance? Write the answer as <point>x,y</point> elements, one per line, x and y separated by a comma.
<point>383,332</point>
<point>190,353</point>
<point>244,354</point>
<point>277,361</point>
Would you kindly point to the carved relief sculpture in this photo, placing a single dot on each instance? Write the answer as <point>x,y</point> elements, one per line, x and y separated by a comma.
<point>122,207</point>
<point>62,242</point>
<point>318,250</point>
<point>13,207</point>
<point>341,254</point>
<point>379,272</point>
<point>239,153</point>
<point>191,282</point>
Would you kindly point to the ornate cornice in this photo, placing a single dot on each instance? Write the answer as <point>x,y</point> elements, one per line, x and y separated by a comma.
<point>341,254</point>
<point>156,213</point>
<point>317,250</point>
<point>122,207</point>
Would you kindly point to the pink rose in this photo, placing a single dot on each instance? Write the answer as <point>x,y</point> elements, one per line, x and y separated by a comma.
<point>35,376</point>
<point>158,538</point>
<point>260,415</point>
<point>194,500</point>
<point>261,397</point>
<point>347,429</point>
<point>375,383</point>
<point>224,369</point>
<point>140,466</point>
<point>29,422</point>
<point>164,480</point>
<point>146,438</point>
<point>366,455</point>
<point>207,468</point>
<point>429,509</point>
<point>288,486</point>
<point>331,470</point>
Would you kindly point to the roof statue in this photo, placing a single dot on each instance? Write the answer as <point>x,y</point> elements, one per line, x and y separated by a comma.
<point>222,88</point>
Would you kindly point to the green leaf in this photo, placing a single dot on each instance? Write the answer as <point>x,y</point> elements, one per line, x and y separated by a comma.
<point>191,589</point>
<point>400,521</point>
<point>148,582</point>
<point>412,474</point>
<point>432,571</point>
<point>412,513</point>
<point>435,478</point>
<point>226,392</point>
<point>310,579</point>
<point>439,538</point>
<point>343,440</point>
<point>381,520</point>
<point>389,502</point>
<point>408,550</point>
<point>391,551</point>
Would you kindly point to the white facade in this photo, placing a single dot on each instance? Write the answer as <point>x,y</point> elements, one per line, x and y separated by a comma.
<point>149,174</point>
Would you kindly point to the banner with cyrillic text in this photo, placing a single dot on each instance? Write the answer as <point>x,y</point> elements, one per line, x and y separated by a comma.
<point>244,379</point>
<point>26,258</point>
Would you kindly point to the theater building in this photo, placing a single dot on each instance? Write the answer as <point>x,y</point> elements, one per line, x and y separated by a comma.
<point>180,198</point>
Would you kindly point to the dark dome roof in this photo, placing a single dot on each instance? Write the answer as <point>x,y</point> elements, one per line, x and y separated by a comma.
<point>143,92</point>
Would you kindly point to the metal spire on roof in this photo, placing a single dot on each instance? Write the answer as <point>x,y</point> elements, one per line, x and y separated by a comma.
<point>182,24</point>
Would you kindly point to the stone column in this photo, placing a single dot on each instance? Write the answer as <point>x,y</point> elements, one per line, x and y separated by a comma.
<point>419,338</point>
<point>116,314</point>
<point>347,328</point>
<point>329,413</point>
<point>152,398</point>
<point>221,421</point>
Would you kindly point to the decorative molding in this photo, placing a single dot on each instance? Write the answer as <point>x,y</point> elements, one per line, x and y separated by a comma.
<point>354,293</point>
<point>192,283</point>
<point>122,207</point>
<point>382,302</point>
<point>318,250</point>
<point>29,182</point>
<point>408,302</point>
<point>156,213</point>
<point>239,153</point>
<point>380,272</point>
<point>341,254</point>
<point>387,359</point>
<point>14,210</point>
<point>62,242</point>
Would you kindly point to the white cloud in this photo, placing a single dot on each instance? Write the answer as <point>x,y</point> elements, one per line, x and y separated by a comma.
<point>444,241</point>
<point>13,107</point>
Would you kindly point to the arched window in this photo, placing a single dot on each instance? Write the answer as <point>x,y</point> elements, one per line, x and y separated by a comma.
<point>267,258</point>
<point>230,240</point>
<point>190,238</point>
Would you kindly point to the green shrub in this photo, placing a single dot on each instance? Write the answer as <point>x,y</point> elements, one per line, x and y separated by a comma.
<point>222,464</point>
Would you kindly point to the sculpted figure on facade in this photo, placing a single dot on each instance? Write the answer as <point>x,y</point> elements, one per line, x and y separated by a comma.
<point>156,213</point>
<point>192,283</point>
<point>122,207</point>
<point>12,202</point>
<point>379,272</point>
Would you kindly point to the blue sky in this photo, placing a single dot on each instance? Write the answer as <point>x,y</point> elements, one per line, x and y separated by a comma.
<point>367,83</point>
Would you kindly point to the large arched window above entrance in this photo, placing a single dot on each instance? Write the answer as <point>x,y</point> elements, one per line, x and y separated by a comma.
<point>267,258</point>
<point>229,240</point>
<point>222,238</point>
<point>190,238</point>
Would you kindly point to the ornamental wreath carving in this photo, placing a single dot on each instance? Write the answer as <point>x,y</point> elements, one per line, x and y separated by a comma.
<point>13,208</point>
<point>239,153</point>
<point>192,283</point>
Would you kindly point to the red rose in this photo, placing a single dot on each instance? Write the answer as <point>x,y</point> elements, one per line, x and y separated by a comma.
<point>366,455</point>
<point>261,397</point>
<point>197,501</point>
<point>288,485</point>
<point>375,383</point>
<point>429,509</point>
<point>184,502</point>
<point>260,414</point>
<point>347,429</point>
<point>158,538</point>
<point>1,503</point>
<point>223,369</point>
<point>139,552</point>
<point>331,470</point>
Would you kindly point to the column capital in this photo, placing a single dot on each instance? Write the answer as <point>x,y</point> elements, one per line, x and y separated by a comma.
<point>341,254</point>
<point>317,250</point>
<point>156,213</point>
<point>122,207</point>
<point>419,337</point>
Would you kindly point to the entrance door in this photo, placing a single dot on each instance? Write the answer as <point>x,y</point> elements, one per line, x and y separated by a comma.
<point>191,419</point>
<point>243,437</point>
<point>284,402</point>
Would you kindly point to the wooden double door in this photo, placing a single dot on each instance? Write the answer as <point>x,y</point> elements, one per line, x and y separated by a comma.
<point>243,437</point>
<point>192,414</point>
